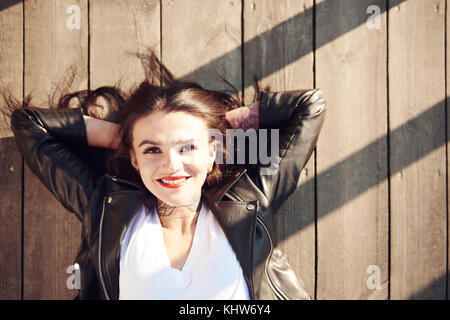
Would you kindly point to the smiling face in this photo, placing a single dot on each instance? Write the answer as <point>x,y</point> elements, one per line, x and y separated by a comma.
<point>173,155</point>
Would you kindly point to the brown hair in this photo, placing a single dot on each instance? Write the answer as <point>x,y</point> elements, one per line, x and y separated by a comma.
<point>160,91</point>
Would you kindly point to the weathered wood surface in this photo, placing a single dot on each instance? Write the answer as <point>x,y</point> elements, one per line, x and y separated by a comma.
<point>278,48</point>
<point>372,203</point>
<point>200,36</point>
<point>447,93</point>
<point>11,48</point>
<point>51,233</point>
<point>417,149</point>
<point>120,30</point>
<point>352,227</point>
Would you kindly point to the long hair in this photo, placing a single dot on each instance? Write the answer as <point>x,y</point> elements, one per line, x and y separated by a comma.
<point>160,91</point>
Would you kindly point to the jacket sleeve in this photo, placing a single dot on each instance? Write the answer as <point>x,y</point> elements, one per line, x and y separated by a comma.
<point>48,140</point>
<point>298,117</point>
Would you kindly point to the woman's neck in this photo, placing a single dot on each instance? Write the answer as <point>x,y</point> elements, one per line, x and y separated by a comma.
<point>181,220</point>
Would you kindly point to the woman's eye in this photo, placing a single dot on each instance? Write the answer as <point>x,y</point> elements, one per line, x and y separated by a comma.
<point>188,147</point>
<point>151,150</point>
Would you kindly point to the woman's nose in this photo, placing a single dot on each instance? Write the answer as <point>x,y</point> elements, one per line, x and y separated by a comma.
<point>173,161</point>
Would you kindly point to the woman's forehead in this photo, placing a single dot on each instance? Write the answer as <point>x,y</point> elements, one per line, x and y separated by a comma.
<point>173,127</point>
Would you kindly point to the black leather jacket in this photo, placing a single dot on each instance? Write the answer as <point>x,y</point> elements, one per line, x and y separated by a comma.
<point>54,146</point>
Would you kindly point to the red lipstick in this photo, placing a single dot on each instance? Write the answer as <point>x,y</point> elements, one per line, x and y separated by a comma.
<point>173,181</point>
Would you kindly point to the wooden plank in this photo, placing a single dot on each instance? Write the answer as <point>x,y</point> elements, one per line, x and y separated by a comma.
<point>203,35</point>
<point>119,31</point>
<point>52,234</point>
<point>417,148</point>
<point>447,59</point>
<point>278,50</point>
<point>10,220</point>
<point>352,229</point>
<point>11,69</point>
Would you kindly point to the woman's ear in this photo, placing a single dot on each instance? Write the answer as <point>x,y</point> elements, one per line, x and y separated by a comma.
<point>212,155</point>
<point>134,160</point>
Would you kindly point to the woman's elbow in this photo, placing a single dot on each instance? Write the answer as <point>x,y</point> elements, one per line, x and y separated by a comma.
<point>316,104</point>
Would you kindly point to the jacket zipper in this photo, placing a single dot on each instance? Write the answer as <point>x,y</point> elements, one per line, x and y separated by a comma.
<point>274,288</point>
<point>280,295</point>
<point>115,178</point>
<point>100,266</point>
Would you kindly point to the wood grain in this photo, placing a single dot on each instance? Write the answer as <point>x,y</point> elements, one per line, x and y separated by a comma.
<point>51,233</point>
<point>11,70</point>
<point>279,36</point>
<point>417,149</point>
<point>120,30</point>
<point>352,229</point>
<point>447,94</point>
<point>201,35</point>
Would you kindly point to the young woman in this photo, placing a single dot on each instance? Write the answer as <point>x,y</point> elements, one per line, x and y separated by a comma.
<point>163,216</point>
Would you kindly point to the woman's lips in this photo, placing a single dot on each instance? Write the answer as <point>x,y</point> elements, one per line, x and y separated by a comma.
<point>173,181</point>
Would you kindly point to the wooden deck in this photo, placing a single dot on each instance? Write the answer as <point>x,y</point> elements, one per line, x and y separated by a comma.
<point>370,220</point>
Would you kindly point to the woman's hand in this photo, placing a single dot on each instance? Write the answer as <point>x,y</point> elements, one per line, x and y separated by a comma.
<point>246,117</point>
<point>102,133</point>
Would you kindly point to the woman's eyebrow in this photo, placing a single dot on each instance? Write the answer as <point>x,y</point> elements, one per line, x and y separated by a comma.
<point>146,141</point>
<point>187,140</point>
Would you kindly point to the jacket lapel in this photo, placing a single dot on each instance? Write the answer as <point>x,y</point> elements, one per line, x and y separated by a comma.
<point>238,222</point>
<point>119,210</point>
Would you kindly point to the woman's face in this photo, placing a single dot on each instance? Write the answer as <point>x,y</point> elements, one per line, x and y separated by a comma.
<point>173,155</point>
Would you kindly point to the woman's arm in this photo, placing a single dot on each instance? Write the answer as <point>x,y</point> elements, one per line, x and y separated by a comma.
<point>101,133</point>
<point>246,117</point>
<point>297,117</point>
<point>47,139</point>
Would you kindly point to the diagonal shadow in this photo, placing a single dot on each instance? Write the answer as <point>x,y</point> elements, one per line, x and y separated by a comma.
<point>433,291</point>
<point>272,36</point>
<point>5,4</point>
<point>426,132</point>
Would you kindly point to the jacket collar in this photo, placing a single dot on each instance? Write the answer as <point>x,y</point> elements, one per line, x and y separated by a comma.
<point>238,222</point>
<point>216,193</point>
<point>122,205</point>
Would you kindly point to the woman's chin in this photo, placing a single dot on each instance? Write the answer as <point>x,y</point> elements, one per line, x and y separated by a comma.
<point>177,202</point>
<point>178,197</point>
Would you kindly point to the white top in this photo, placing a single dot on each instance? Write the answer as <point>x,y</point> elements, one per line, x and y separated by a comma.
<point>211,270</point>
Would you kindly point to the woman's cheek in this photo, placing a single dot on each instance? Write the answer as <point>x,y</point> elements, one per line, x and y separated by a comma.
<point>147,167</point>
<point>199,164</point>
<point>192,159</point>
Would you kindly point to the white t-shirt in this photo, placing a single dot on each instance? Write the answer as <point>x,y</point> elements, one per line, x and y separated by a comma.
<point>211,270</point>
